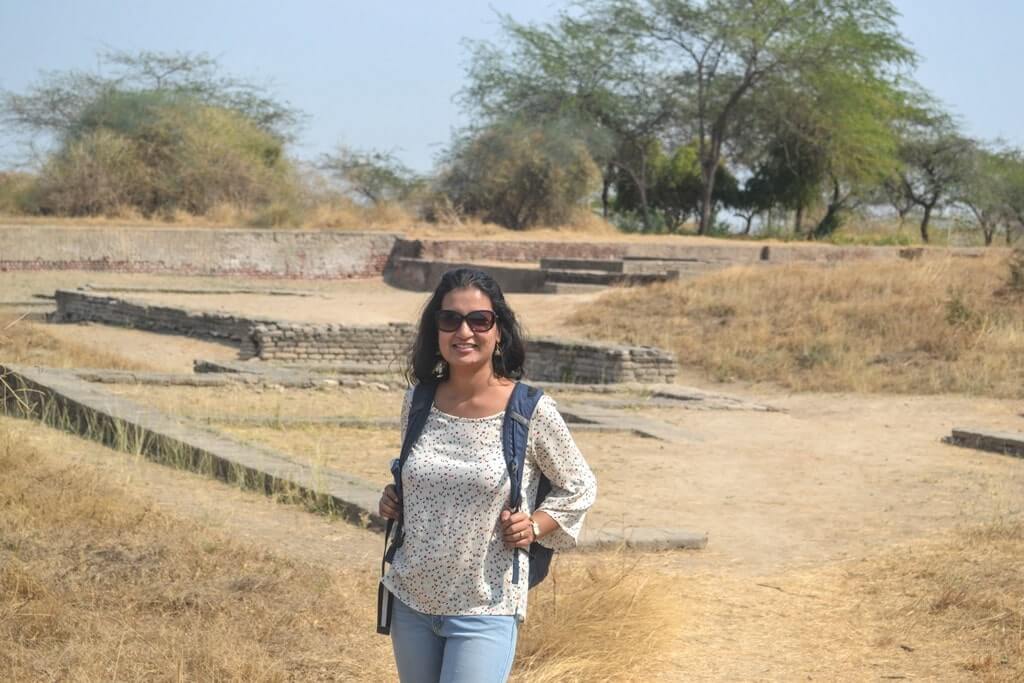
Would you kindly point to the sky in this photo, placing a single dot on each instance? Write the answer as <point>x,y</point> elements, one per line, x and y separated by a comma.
<point>384,75</point>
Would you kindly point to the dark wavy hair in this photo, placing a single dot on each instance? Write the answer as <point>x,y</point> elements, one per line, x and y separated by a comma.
<point>424,352</point>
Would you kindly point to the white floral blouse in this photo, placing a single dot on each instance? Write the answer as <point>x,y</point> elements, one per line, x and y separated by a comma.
<point>455,485</point>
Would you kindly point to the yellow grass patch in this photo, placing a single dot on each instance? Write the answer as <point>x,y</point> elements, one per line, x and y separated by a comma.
<point>365,453</point>
<point>100,586</point>
<point>27,343</point>
<point>929,326</point>
<point>264,402</point>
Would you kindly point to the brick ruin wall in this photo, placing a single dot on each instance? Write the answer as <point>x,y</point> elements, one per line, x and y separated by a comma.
<point>208,252</point>
<point>549,359</point>
<point>507,251</point>
<point>383,345</point>
<point>81,307</point>
<point>296,342</point>
<point>558,360</point>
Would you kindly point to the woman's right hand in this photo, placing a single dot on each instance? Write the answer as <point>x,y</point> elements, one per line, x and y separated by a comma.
<point>390,503</point>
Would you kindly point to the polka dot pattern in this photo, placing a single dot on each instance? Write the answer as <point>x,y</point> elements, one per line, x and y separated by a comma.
<point>453,560</point>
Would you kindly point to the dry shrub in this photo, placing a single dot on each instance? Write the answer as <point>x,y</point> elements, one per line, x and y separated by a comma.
<point>926,326</point>
<point>605,621</point>
<point>342,213</point>
<point>587,222</point>
<point>28,343</point>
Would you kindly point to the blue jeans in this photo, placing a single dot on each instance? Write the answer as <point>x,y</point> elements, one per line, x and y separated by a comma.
<point>452,649</point>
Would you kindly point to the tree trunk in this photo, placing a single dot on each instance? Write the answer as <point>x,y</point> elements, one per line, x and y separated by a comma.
<point>924,222</point>
<point>749,220</point>
<point>643,206</point>
<point>707,176</point>
<point>798,219</point>
<point>606,183</point>
<point>830,221</point>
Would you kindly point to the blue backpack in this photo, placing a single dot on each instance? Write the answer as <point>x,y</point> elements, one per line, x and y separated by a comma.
<point>514,434</point>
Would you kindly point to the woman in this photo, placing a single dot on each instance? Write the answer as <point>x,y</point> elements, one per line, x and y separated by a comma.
<point>456,609</point>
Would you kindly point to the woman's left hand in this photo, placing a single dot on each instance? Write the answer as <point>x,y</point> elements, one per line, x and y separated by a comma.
<point>516,530</point>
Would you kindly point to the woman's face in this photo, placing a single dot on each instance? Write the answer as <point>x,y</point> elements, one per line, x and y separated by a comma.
<point>465,347</point>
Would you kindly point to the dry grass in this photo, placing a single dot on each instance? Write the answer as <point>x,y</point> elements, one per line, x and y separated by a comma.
<point>27,343</point>
<point>337,214</point>
<point>605,620</point>
<point>364,453</point>
<point>264,402</point>
<point>98,586</point>
<point>929,326</point>
<point>96,583</point>
<point>961,598</point>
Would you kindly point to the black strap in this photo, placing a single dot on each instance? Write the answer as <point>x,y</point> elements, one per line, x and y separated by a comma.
<point>385,600</point>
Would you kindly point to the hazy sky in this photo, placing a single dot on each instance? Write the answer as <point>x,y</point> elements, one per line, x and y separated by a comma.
<point>384,75</point>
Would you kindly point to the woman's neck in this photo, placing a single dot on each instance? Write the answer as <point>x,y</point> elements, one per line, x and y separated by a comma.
<point>469,382</point>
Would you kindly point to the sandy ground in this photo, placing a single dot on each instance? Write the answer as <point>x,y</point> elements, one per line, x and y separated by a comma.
<point>822,479</point>
<point>355,302</point>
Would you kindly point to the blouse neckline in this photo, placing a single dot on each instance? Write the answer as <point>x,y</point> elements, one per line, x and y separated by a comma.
<point>437,410</point>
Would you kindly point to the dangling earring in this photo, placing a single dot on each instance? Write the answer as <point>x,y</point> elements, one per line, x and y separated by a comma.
<point>498,361</point>
<point>440,369</point>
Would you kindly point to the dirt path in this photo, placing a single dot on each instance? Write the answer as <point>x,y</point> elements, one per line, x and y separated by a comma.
<point>832,477</point>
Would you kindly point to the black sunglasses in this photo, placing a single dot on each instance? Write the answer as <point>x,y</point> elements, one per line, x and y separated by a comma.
<point>478,321</point>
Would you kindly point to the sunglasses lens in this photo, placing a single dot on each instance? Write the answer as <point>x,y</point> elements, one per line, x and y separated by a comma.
<point>480,321</point>
<point>448,321</point>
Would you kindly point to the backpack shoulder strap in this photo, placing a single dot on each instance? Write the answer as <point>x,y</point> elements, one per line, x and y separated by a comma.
<point>422,400</point>
<point>515,434</point>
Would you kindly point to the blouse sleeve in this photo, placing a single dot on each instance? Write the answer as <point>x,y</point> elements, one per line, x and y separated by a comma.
<point>573,486</point>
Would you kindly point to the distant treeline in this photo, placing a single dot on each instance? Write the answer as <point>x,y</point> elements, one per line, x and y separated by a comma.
<point>663,115</point>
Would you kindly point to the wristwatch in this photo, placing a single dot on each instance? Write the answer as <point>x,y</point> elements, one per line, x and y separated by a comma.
<point>535,527</point>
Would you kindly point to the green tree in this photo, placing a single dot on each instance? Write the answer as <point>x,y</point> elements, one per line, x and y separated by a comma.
<point>519,175</point>
<point>993,191</point>
<point>934,161</point>
<point>828,140</point>
<point>727,52</point>
<point>371,175</point>
<point>674,182</point>
<point>577,70</point>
